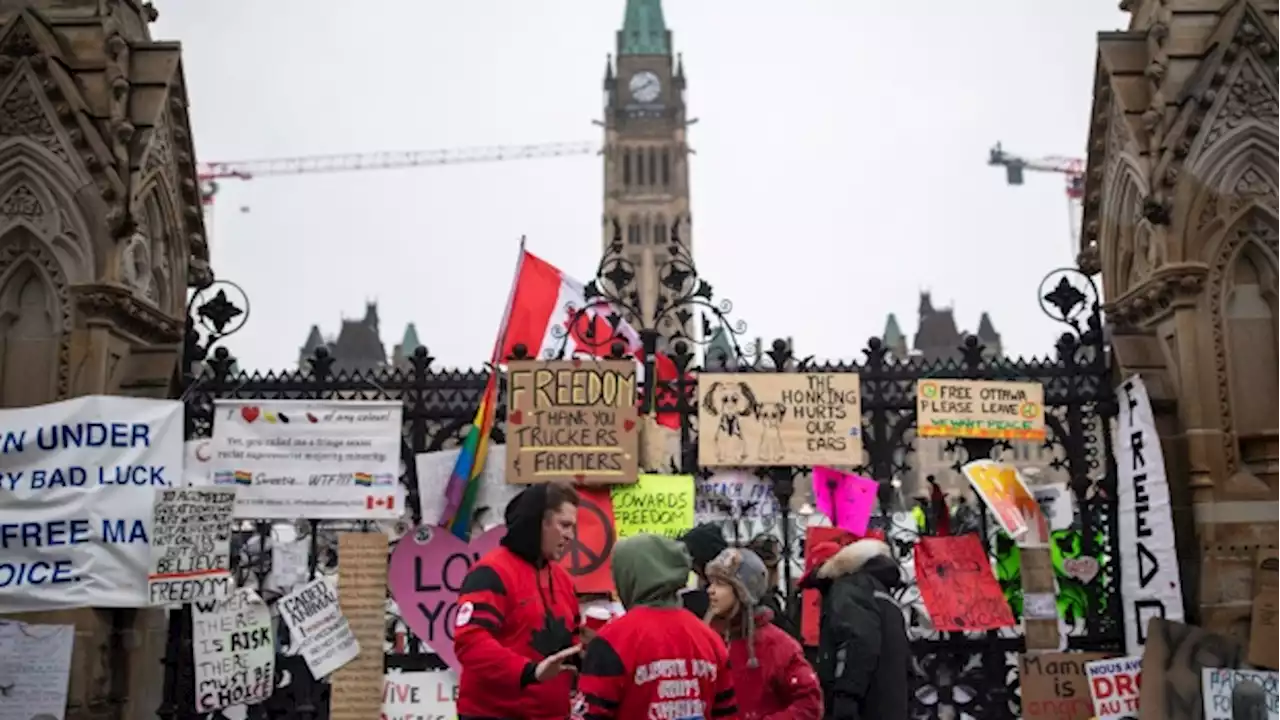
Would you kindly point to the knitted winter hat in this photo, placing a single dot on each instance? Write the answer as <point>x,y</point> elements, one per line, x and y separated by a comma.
<point>745,572</point>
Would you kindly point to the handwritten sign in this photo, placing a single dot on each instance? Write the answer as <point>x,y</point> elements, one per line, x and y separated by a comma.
<point>574,420</point>
<point>845,498</point>
<point>425,577</point>
<point>980,409</point>
<point>1055,686</point>
<point>657,504</point>
<point>429,695</point>
<point>1173,662</point>
<point>754,419</point>
<point>362,595</point>
<point>1002,488</point>
<point>957,585</point>
<point>190,545</point>
<point>1230,694</point>
<point>1115,687</point>
<point>235,651</point>
<point>317,627</point>
<point>733,495</point>
<point>35,669</point>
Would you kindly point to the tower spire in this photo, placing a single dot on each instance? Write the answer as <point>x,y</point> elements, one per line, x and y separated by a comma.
<point>644,32</point>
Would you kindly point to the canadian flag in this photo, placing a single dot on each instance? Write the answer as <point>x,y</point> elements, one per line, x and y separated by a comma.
<point>379,503</point>
<point>545,302</point>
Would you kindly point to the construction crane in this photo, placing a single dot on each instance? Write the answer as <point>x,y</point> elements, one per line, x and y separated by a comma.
<point>211,173</point>
<point>1071,168</point>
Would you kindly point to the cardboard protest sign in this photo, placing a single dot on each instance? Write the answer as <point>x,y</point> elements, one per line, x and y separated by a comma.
<point>234,644</point>
<point>1055,686</point>
<point>35,669</point>
<point>1172,668</point>
<point>1264,629</point>
<point>845,498</point>
<point>1115,687</point>
<point>1002,488</point>
<point>362,595</point>
<point>78,481</point>
<point>753,419</point>
<point>425,576</point>
<point>657,504</point>
<point>589,557</point>
<point>957,585</point>
<point>980,409</point>
<point>190,545</point>
<point>318,631</point>
<point>573,420</point>
<point>1231,694</point>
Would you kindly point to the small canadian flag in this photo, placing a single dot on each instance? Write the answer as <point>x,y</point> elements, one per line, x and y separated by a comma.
<point>379,503</point>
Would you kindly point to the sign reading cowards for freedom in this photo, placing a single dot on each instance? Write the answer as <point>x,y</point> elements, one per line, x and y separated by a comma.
<point>574,420</point>
<point>980,409</point>
<point>754,419</point>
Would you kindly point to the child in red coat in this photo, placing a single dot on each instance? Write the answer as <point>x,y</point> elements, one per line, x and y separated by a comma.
<point>772,677</point>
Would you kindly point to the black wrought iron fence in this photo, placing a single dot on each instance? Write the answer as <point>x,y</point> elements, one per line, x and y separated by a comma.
<point>955,674</point>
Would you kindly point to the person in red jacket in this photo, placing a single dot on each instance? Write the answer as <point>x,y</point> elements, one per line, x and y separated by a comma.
<point>517,622</point>
<point>658,660</point>
<point>772,677</point>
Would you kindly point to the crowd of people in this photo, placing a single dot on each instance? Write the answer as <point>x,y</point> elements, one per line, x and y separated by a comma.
<point>703,634</point>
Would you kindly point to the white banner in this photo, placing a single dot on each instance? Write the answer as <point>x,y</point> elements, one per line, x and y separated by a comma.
<point>1150,584</point>
<point>314,459</point>
<point>77,482</point>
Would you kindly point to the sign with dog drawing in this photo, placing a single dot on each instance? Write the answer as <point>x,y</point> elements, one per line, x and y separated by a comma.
<point>573,420</point>
<point>755,419</point>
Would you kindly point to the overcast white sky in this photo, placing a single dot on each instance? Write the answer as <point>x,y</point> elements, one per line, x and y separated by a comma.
<point>840,167</point>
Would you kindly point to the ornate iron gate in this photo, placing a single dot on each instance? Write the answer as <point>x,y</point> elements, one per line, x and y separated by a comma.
<point>956,675</point>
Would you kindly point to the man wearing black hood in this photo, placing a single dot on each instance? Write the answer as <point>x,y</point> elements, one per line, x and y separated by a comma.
<point>703,543</point>
<point>516,628</point>
<point>864,654</point>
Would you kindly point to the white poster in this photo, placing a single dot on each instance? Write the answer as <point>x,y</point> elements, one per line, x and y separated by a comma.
<point>419,695</point>
<point>318,631</point>
<point>77,481</point>
<point>1150,584</point>
<point>1230,694</point>
<point>190,545</point>
<point>1115,686</point>
<point>234,646</point>
<point>1057,503</point>
<point>314,459</point>
<point>35,670</point>
<point>434,469</point>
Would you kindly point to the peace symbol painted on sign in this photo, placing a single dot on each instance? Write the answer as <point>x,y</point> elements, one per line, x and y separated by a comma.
<point>584,560</point>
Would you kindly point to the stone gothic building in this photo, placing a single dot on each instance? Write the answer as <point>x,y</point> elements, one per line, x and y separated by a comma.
<point>1181,224</point>
<point>358,345</point>
<point>101,235</point>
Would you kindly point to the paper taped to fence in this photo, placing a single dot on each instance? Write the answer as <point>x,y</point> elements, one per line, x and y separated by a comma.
<point>1150,582</point>
<point>77,482</point>
<point>318,631</point>
<point>1230,694</point>
<point>191,545</point>
<point>310,459</point>
<point>1115,686</point>
<point>35,670</point>
<point>234,648</point>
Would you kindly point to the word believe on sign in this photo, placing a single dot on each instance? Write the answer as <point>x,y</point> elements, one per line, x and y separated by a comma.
<point>572,420</point>
<point>235,651</point>
<point>191,545</point>
<point>755,419</point>
<point>317,627</point>
<point>980,409</point>
<point>78,481</point>
<point>310,459</point>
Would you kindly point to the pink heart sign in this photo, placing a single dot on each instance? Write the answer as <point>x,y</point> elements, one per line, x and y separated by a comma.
<point>425,575</point>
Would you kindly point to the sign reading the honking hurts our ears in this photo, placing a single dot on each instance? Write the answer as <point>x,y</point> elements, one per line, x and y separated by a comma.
<point>980,409</point>
<point>754,419</point>
<point>574,420</point>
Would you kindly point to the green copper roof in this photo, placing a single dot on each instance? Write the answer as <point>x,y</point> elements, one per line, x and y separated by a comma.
<point>410,341</point>
<point>892,333</point>
<point>644,32</point>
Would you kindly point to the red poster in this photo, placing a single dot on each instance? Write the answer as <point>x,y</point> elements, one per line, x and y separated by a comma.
<point>587,558</point>
<point>811,600</point>
<point>957,585</point>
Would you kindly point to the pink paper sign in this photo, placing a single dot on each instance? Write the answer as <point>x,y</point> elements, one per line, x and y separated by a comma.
<point>426,572</point>
<point>846,498</point>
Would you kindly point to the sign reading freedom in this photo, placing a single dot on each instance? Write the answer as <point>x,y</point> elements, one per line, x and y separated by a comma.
<point>573,420</point>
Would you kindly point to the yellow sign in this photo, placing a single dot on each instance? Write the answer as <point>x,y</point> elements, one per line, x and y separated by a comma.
<point>980,409</point>
<point>657,504</point>
<point>1001,487</point>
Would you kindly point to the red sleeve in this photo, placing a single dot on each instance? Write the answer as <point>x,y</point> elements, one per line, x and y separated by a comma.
<point>795,683</point>
<point>724,706</point>
<point>482,606</point>
<point>602,680</point>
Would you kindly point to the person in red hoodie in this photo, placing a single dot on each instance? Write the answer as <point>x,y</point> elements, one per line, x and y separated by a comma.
<point>772,677</point>
<point>517,622</point>
<point>658,660</point>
